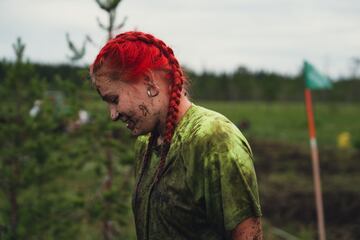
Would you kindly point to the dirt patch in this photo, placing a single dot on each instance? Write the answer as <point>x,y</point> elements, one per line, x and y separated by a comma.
<point>286,186</point>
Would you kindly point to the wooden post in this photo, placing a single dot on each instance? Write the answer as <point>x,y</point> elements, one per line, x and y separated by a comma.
<point>315,166</point>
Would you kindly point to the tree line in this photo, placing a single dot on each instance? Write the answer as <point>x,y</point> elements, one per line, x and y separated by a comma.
<point>239,85</point>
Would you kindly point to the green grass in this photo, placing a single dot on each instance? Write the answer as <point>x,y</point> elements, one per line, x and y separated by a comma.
<point>287,122</point>
<point>281,121</point>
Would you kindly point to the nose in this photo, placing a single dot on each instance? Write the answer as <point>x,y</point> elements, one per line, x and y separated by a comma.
<point>114,115</point>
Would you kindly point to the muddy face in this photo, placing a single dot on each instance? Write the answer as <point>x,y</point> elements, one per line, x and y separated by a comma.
<point>129,101</point>
<point>144,109</point>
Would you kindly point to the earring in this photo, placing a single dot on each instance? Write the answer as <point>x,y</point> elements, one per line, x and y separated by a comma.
<point>152,91</point>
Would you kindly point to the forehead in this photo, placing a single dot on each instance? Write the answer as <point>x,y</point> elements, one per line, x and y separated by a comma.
<point>109,83</point>
<point>106,80</point>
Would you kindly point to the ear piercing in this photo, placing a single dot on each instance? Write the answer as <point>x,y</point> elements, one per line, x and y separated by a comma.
<point>152,92</point>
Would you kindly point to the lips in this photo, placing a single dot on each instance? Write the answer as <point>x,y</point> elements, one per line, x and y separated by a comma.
<point>130,123</point>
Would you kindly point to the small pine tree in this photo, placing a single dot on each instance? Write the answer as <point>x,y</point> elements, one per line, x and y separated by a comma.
<point>19,48</point>
<point>77,53</point>
<point>110,7</point>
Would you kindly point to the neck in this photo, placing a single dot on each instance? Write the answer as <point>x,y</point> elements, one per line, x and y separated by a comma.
<point>184,105</point>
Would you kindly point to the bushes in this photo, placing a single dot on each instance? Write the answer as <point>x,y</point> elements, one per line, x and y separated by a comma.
<point>53,169</point>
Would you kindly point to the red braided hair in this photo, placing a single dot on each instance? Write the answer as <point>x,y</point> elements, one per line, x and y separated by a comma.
<point>133,53</point>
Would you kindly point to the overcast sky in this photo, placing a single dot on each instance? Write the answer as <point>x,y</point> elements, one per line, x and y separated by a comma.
<point>274,35</point>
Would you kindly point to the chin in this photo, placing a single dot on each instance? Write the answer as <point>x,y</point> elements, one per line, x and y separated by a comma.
<point>135,134</point>
<point>138,132</point>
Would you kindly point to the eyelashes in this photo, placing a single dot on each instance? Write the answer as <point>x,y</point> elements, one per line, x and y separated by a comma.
<point>114,99</point>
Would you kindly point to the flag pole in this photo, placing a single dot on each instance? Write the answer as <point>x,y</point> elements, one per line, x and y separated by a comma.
<point>315,165</point>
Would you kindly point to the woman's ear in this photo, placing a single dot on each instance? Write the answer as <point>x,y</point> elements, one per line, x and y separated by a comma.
<point>152,87</point>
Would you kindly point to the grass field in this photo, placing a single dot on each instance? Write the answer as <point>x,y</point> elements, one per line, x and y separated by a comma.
<point>287,122</point>
<point>284,121</point>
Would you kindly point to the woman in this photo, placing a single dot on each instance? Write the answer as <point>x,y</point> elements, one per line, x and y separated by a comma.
<point>194,172</point>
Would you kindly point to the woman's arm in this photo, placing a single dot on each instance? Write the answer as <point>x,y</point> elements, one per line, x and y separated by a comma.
<point>249,229</point>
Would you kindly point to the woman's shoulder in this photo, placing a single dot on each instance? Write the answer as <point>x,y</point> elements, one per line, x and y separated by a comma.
<point>208,131</point>
<point>211,125</point>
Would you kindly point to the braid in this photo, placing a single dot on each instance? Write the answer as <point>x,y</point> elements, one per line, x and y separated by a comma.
<point>171,120</point>
<point>159,57</point>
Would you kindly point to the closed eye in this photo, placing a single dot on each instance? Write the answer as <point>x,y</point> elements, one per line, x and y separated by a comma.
<point>109,98</point>
<point>114,99</point>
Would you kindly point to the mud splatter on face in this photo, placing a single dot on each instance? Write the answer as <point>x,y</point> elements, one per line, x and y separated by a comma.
<point>144,110</point>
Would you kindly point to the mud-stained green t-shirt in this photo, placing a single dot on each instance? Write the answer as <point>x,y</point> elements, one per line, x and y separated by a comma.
<point>208,185</point>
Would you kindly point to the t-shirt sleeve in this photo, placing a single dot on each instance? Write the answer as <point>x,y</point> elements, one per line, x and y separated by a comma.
<point>229,180</point>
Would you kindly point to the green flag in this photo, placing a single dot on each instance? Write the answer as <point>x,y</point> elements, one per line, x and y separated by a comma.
<point>314,79</point>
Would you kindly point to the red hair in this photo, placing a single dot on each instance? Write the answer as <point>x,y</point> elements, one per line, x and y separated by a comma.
<point>134,53</point>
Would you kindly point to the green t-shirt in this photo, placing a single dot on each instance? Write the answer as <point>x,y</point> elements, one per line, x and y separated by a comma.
<point>208,185</point>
